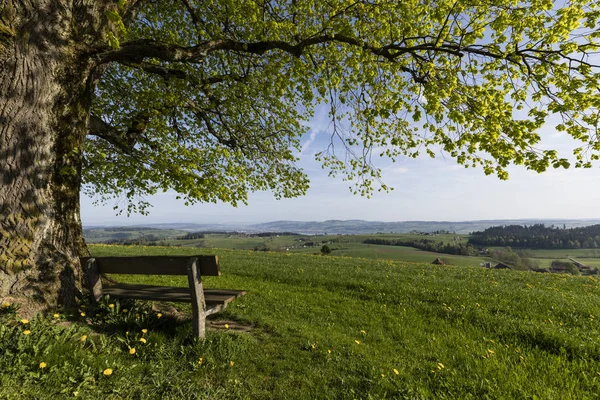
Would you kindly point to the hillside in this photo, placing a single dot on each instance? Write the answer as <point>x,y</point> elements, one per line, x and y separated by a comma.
<point>325,327</point>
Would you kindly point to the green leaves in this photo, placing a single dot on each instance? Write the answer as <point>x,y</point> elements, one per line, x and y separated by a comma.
<point>478,82</point>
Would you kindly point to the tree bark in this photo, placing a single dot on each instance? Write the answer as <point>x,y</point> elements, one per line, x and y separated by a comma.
<point>46,88</point>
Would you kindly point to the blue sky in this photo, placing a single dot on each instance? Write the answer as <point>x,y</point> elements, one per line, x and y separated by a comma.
<point>424,189</point>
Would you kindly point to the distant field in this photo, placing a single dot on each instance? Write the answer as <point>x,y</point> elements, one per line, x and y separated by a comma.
<point>341,245</point>
<point>402,253</point>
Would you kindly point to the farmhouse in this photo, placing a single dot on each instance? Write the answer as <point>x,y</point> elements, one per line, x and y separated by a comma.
<point>557,268</point>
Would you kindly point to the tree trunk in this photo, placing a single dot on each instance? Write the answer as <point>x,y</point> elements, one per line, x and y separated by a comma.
<point>45,99</point>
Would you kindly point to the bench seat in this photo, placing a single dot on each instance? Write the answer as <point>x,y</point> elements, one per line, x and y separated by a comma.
<point>216,299</point>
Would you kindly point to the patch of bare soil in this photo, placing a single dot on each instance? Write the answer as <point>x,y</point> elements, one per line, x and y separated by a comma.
<point>227,324</point>
<point>172,313</point>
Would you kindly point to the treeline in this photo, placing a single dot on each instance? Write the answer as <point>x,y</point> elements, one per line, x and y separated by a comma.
<point>268,234</point>
<point>461,249</point>
<point>146,240</point>
<point>130,228</point>
<point>194,235</point>
<point>202,235</point>
<point>538,236</point>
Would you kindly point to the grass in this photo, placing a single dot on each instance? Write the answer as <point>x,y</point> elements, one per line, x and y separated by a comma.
<point>326,327</point>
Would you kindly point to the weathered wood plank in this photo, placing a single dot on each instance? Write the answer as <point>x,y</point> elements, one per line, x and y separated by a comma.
<point>94,280</point>
<point>147,292</point>
<point>170,293</point>
<point>221,296</point>
<point>156,265</point>
<point>197,296</point>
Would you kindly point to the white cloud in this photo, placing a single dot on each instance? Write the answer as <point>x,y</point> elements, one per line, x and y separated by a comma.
<point>306,145</point>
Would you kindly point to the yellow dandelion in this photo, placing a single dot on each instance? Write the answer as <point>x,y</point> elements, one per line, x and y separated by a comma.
<point>357,341</point>
<point>24,321</point>
<point>111,306</point>
<point>83,338</point>
<point>42,365</point>
<point>5,305</point>
<point>396,371</point>
<point>132,350</point>
<point>108,371</point>
<point>75,394</point>
<point>56,316</point>
<point>144,331</point>
<point>158,315</point>
<point>200,361</point>
<point>226,326</point>
<point>363,332</point>
<point>231,363</point>
<point>82,314</point>
<point>27,332</point>
<point>124,310</point>
<point>142,340</point>
<point>440,366</point>
<point>329,351</point>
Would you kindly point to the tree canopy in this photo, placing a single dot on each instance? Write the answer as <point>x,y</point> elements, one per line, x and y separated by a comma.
<point>209,98</point>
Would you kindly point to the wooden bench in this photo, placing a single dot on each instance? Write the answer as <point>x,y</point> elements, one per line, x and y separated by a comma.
<point>204,301</point>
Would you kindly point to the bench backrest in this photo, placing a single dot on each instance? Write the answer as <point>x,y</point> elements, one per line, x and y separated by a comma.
<point>155,265</point>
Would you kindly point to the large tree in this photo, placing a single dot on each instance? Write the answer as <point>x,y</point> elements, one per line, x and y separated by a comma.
<point>208,97</point>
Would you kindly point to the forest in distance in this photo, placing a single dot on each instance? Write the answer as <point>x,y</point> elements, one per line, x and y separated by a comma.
<point>538,236</point>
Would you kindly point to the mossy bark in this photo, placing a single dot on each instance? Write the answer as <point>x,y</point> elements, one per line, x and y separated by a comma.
<point>46,87</point>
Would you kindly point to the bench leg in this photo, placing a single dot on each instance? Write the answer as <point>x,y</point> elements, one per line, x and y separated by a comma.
<point>198,303</point>
<point>94,280</point>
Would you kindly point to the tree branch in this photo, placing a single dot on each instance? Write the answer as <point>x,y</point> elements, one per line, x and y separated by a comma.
<point>124,141</point>
<point>168,73</point>
<point>133,53</point>
<point>193,13</point>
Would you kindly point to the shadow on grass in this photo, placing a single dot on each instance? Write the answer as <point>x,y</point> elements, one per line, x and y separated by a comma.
<point>172,321</point>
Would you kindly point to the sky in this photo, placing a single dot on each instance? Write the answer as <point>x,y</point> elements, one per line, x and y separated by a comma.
<point>425,189</point>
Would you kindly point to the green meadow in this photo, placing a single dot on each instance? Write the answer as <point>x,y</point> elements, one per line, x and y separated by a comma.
<point>320,327</point>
